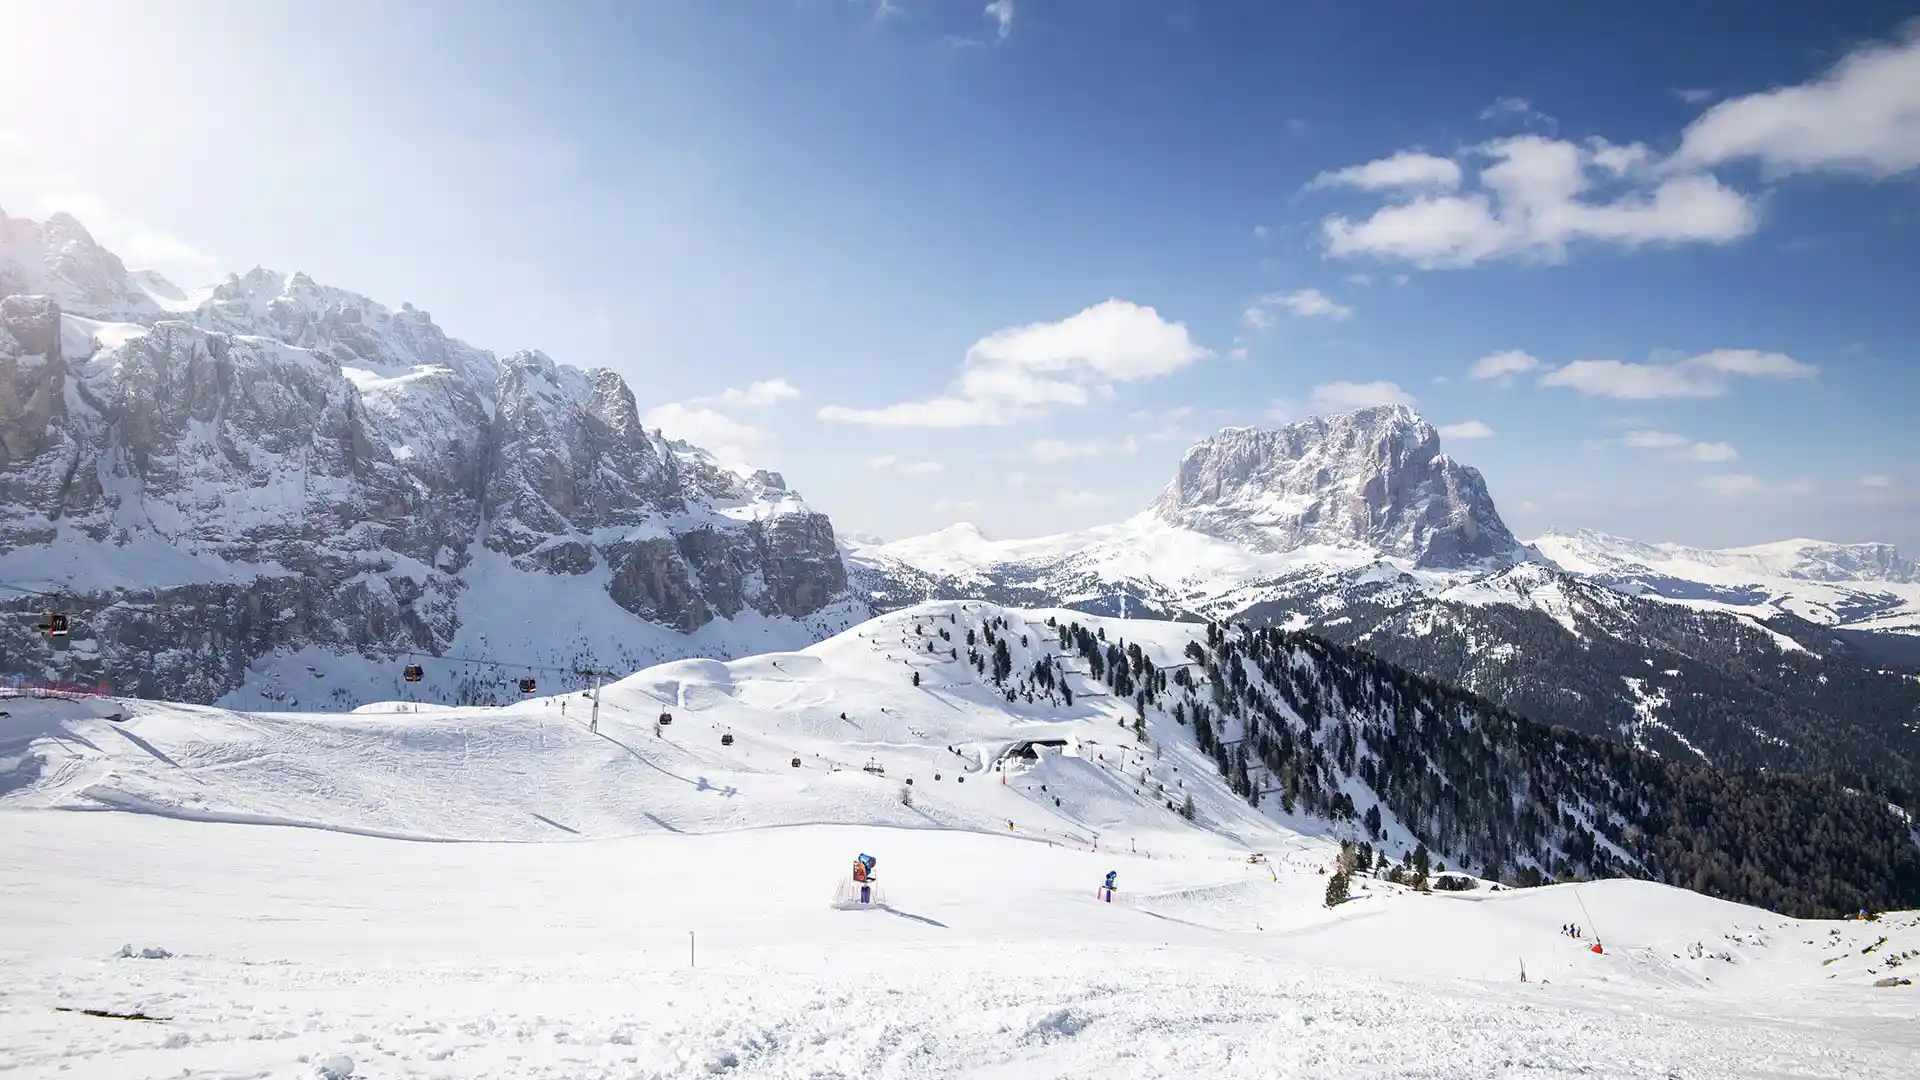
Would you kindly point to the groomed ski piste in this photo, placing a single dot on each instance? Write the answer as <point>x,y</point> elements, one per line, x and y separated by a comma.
<point>417,891</point>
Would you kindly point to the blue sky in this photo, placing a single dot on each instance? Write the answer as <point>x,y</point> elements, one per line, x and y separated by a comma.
<point>941,260</point>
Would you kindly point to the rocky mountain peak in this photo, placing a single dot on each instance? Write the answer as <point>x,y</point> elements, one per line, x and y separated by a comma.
<point>323,472</point>
<point>1373,479</point>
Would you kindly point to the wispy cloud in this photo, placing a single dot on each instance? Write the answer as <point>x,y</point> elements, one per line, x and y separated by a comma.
<point>1466,429</point>
<point>1065,450</point>
<point>1535,198</point>
<point>1347,396</point>
<point>1001,12</point>
<point>1708,375</point>
<point>1876,480</point>
<point>759,393</point>
<point>716,432</point>
<point>1408,170</point>
<point>1518,108</point>
<point>1503,366</point>
<point>1861,116</point>
<point>1733,485</point>
<point>1025,372</point>
<point>1081,500</point>
<point>893,464</point>
<point>1677,447</point>
<point>1303,303</point>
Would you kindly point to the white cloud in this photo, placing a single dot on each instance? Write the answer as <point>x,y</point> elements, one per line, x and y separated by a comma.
<point>1347,396</point>
<point>1708,375</point>
<point>1281,411</point>
<point>1261,232</point>
<point>1730,485</point>
<point>1081,500</point>
<point>722,435</point>
<point>1517,107</point>
<point>1710,452</point>
<point>1313,304</point>
<point>1362,280</point>
<point>1001,12</point>
<point>761,392</point>
<point>1876,481</point>
<point>1060,450</point>
<point>938,413</point>
<point>140,245</point>
<point>1024,372</point>
<point>1304,303</point>
<point>892,463</point>
<point>1537,199</point>
<point>1468,429</point>
<point>1694,95</point>
<point>954,506</point>
<point>1408,170</point>
<point>1653,440</point>
<point>1504,365</point>
<point>1861,116</point>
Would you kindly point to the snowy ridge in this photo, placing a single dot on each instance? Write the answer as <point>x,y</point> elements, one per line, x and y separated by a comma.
<point>1858,586</point>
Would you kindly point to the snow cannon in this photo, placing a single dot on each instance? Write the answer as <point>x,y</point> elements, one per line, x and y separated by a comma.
<point>1105,891</point>
<point>861,890</point>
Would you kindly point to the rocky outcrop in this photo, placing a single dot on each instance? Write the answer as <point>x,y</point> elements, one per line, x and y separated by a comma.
<point>287,468</point>
<point>1372,479</point>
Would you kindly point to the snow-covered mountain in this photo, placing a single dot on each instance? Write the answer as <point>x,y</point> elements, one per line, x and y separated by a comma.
<point>277,490</point>
<point>1251,516</point>
<point>1357,527</point>
<point>1372,480</point>
<point>1858,586</point>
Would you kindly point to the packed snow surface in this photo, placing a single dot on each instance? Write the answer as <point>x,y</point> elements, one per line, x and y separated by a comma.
<point>623,903</point>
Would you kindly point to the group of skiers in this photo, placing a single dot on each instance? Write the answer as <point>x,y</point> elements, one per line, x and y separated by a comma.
<point>1571,930</point>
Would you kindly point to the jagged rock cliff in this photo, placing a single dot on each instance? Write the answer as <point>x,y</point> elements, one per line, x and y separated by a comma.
<point>285,487</point>
<point>1372,479</point>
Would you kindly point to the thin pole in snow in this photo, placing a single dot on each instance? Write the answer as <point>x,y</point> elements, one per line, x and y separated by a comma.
<point>689,948</point>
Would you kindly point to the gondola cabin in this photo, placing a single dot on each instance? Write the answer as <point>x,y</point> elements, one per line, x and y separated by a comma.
<point>527,686</point>
<point>665,719</point>
<point>414,673</point>
<point>796,763</point>
<point>727,739</point>
<point>56,625</point>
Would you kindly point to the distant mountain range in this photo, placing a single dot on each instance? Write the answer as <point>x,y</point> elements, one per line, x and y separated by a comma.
<point>1357,528</point>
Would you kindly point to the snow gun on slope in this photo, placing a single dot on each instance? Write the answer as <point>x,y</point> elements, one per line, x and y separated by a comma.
<point>862,889</point>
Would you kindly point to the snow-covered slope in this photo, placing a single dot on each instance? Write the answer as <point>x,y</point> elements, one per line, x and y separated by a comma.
<point>427,771</point>
<point>305,954</point>
<point>665,909</point>
<point>1858,586</point>
<point>277,490</point>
